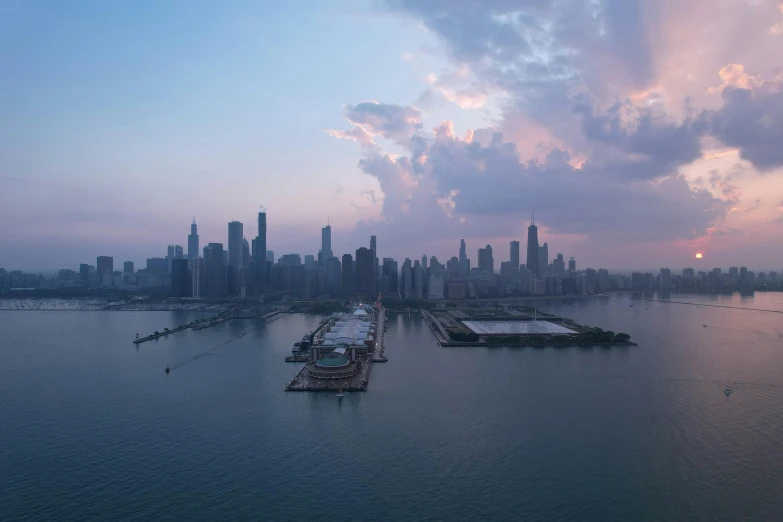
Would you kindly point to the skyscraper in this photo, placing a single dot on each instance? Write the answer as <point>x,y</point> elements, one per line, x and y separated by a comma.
<point>424,262</point>
<point>193,240</point>
<point>407,279</point>
<point>347,270</point>
<point>127,267</point>
<point>532,247</point>
<point>464,262</point>
<point>543,260</point>
<point>515,254</point>
<point>199,277</point>
<point>572,266</point>
<point>235,235</point>
<point>180,280</point>
<point>558,265</point>
<point>364,272</point>
<point>326,242</point>
<point>259,273</point>
<point>261,237</point>
<point>216,273</point>
<point>105,265</point>
<point>486,262</point>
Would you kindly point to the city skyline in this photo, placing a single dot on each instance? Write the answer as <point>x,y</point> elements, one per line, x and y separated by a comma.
<point>641,142</point>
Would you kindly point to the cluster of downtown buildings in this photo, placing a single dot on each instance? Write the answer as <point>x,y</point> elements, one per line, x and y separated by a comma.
<point>249,270</point>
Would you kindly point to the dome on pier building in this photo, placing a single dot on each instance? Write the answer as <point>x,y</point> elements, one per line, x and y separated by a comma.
<point>335,360</point>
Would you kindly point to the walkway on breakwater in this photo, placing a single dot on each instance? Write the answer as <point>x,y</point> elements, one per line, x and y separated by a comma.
<point>705,304</point>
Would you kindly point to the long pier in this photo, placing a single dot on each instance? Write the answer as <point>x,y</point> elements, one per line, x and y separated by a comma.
<point>357,382</point>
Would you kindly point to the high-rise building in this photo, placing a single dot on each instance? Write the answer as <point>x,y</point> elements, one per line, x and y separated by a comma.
<point>424,263</point>
<point>543,259</point>
<point>390,276</point>
<point>270,256</point>
<point>157,266</point>
<point>374,245</point>
<point>665,279</point>
<point>407,279</point>
<point>180,278</point>
<point>127,267</point>
<point>486,262</point>
<point>84,273</point>
<point>326,242</point>
<point>347,274</point>
<point>193,240</point>
<point>105,265</point>
<point>173,252</point>
<point>514,258</point>
<point>235,236</point>
<point>216,272</point>
<point>245,252</point>
<point>333,275</point>
<point>261,237</point>
<point>532,248</point>
<point>572,266</point>
<point>558,266</point>
<point>435,288</point>
<point>199,277</point>
<point>364,272</point>
<point>418,280</point>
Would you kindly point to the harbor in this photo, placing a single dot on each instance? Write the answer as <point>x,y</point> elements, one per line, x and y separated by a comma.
<point>339,354</point>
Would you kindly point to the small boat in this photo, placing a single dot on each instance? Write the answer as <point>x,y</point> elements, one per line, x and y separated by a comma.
<point>340,393</point>
<point>168,369</point>
<point>704,326</point>
<point>727,391</point>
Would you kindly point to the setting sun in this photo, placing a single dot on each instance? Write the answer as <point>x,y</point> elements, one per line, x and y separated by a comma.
<point>699,255</point>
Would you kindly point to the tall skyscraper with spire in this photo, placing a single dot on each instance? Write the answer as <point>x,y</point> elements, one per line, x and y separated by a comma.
<point>532,246</point>
<point>193,240</point>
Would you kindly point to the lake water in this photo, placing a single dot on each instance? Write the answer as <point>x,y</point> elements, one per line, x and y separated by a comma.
<point>91,428</point>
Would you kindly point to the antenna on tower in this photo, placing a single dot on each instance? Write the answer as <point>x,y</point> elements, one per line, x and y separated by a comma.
<point>533,216</point>
<point>194,219</point>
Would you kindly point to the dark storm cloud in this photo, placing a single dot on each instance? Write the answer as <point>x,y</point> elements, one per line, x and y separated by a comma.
<point>663,145</point>
<point>752,121</point>
<point>491,180</point>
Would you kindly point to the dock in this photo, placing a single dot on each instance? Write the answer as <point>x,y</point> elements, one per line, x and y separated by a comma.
<point>302,381</point>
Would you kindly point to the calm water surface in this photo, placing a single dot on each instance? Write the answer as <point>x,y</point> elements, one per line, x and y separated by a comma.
<point>92,429</point>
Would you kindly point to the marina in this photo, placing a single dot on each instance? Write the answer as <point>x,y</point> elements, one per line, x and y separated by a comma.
<point>339,354</point>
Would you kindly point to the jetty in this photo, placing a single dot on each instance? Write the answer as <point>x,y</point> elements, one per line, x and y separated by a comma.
<point>342,352</point>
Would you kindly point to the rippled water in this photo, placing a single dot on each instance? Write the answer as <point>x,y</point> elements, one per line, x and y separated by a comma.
<point>92,428</point>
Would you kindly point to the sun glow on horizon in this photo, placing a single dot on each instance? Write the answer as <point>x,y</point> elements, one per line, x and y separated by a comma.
<point>699,255</point>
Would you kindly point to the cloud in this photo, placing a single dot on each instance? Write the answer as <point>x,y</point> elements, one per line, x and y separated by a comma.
<point>395,122</point>
<point>356,133</point>
<point>755,206</point>
<point>751,119</point>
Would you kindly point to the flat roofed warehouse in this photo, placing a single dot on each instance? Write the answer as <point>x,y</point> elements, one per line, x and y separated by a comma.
<point>517,328</point>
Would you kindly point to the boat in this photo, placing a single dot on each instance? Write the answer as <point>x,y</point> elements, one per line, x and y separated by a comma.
<point>704,326</point>
<point>727,391</point>
<point>168,369</point>
<point>340,393</point>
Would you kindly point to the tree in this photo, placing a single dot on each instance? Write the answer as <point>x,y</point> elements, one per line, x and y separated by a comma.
<point>622,337</point>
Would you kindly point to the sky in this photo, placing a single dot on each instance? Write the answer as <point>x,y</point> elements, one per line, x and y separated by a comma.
<point>642,131</point>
